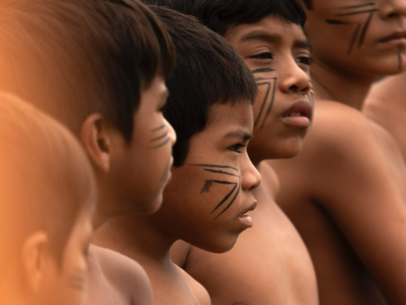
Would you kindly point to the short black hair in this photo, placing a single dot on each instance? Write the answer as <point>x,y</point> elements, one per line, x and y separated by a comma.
<point>73,58</point>
<point>208,71</point>
<point>46,178</point>
<point>219,15</point>
<point>308,4</point>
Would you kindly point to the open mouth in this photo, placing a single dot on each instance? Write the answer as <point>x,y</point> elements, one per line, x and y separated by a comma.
<point>299,114</point>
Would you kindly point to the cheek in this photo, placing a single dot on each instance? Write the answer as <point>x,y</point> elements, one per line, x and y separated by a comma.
<point>265,101</point>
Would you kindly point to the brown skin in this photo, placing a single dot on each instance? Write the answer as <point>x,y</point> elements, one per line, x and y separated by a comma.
<point>270,263</point>
<point>116,279</point>
<point>186,211</point>
<point>345,192</point>
<point>131,178</point>
<point>386,106</point>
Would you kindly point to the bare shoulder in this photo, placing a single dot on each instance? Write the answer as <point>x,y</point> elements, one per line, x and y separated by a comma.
<point>339,130</point>
<point>179,253</point>
<point>270,179</point>
<point>123,274</point>
<point>388,89</point>
<point>201,294</point>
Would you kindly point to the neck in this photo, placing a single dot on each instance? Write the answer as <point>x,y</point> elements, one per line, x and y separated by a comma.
<point>341,86</point>
<point>135,237</point>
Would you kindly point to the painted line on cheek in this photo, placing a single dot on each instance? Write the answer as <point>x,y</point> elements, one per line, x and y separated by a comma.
<point>358,6</point>
<point>220,172</point>
<point>214,166</point>
<point>356,13</point>
<point>160,137</point>
<point>364,30</point>
<point>158,128</point>
<point>160,145</point>
<point>232,200</point>
<point>262,70</point>
<point>268,111</point>
<point>226,197</point>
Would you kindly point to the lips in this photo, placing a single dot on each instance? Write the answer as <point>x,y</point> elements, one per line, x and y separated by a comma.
<point>396,38</point>
<point>299,114</point>
<point>246,219</point>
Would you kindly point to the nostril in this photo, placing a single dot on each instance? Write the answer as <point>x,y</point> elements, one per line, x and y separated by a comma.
<point>294,88</point>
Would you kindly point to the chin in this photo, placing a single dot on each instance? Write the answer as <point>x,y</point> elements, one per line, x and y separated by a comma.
<point>287,151</point>
<point>151,206</point>
<point>220,246</point>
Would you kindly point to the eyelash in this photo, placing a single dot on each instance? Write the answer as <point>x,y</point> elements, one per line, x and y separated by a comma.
<point>236,148</point>
<point>266,55</point>
<point>305,60</point>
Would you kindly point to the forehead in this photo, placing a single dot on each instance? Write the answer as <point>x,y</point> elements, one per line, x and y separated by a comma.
<point>226,121</point>
<point>269,28</point>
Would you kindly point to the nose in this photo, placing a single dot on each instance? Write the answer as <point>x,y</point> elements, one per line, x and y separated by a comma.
<point>171,132</point>
<point>294,80</point>
<point>392,8</point>
<point>250,176</point>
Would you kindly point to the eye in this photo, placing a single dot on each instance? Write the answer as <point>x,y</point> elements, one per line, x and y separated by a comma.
<point>305,60</point>
<point>237,147</point>
<point>266,55</point>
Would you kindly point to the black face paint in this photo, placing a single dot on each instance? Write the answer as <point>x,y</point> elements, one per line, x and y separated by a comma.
<point>220,169</point>
<point>270,83</point>
<point>360,28</point>
<point>77,280</point>
<point>161,138</point>
<point>263,70</point>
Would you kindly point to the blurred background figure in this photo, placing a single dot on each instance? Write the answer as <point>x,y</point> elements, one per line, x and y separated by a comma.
<point>47,198</point>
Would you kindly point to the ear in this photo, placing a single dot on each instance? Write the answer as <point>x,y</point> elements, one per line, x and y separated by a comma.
<point>34,256</point>
<point>95,139</point>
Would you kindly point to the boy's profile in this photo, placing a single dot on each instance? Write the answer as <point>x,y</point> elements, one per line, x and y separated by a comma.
<point>47,197</point>
<point>208,200</point>
<point>100,68</point>
<point>269,264</point>
<point>346,191</point>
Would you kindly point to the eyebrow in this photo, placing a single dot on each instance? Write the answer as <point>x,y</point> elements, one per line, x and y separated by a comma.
<point>260,35</point>
<point>240,134</point>
<point>302,44</point>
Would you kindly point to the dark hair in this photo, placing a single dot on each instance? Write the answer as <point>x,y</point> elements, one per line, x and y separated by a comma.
<point>219,15</point>
<point>76,57</point>
<point>208,71</point>
<point>46,178</point>
<point>308,4</point>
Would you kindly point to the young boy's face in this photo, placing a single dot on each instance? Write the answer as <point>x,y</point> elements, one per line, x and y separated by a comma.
<point>67,283</point>
<point>144,167</point>
<point>209,195</point>
<point>368,37</point>
<point>278,54</point>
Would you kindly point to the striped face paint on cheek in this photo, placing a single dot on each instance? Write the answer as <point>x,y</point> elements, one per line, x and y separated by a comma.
<point>270,85</point>
<point>224,171</point>
<point>160,137</point>
<point>344,16</point>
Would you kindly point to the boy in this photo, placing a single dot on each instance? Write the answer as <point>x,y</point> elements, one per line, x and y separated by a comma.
<point>208,198</point>
<point>47,198</point>
<point>269,264</point>
<point>386,106</point>
<point>99,67</point>
<point>345,192</point>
